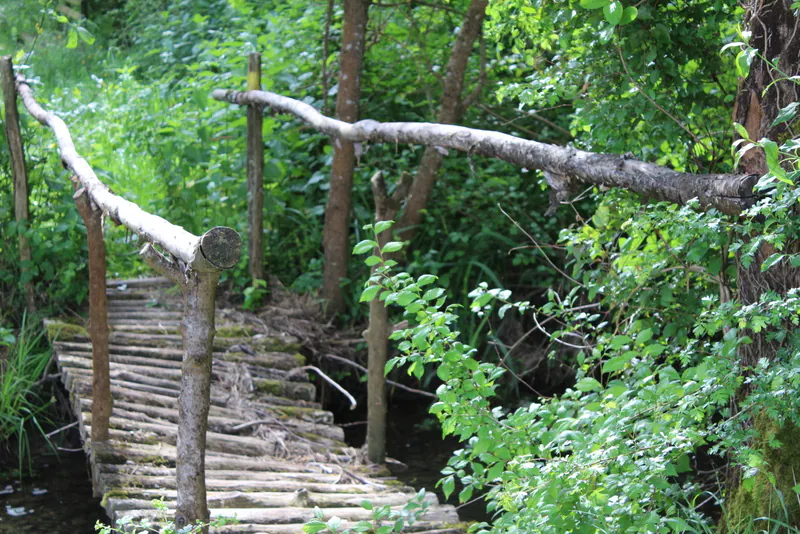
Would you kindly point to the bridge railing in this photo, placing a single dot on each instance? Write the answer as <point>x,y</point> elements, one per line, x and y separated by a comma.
<point>193,262</point>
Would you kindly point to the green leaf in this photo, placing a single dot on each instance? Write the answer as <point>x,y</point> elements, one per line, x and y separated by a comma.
<point>448,485</point>
<point>370,293</point>
<point>426,279</point>
<point>465,494</point>
<point>629,14</point>
<point>85,35</point>
<point>588,384</point>
<point>786,114</point>
<point>383,226</point>
<point>406,297</point>
<point>366,505</point>
<point>391,246</point>
<point>613,13</point>
<point>618,362</point>
<point>741,130</point>
<point>372,260</point>
<point>314,526</point>
<point>594,4</point>
<point>433,294</point>
<point>72,38</point>
<point>772,260</point>
<point>773,160</point>
<point>364,246</point>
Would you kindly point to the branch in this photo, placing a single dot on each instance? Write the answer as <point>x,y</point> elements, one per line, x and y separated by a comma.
<point>328,379</point>
<point>159,263</point>
<point>392,382</point>
<point>729,193</point>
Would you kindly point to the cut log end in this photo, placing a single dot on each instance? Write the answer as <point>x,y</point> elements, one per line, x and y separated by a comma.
<point>221,246</point>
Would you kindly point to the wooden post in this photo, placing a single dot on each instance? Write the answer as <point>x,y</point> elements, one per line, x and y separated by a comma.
<point>18,172</point>
<point>255,172</point>
<point>378,333</point>
<point>222,247</point>
<point>98,320</point>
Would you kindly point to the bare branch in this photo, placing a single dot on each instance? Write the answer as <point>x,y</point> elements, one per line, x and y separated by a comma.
<point>729,193</point>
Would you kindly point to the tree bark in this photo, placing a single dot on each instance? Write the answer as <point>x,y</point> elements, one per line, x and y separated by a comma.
<point>451,110</point>
<point>337,211</point>
<point>729,193</point>
<point>200,290</point>
<point>18,172</point>
<point>378,333</point>
<point>98,317</point>
<point>759,99</point>
<point>255,173</point>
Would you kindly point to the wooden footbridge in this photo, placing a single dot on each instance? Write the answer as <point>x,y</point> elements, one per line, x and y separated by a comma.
<point>272,453</point>
<point>219,424</point>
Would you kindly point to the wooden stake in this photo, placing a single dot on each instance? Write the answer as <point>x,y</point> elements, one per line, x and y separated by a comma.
<point>255,172</point>
<point>98,319</point>
<point>199,295</point>
<point>378,333</point>
<point>18,172</point>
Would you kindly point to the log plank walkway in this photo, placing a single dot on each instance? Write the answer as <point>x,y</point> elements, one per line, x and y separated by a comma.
<point>272,453</point>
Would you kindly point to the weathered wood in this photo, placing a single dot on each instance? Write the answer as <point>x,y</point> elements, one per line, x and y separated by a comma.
<point>219,248</point>
<point>98,319</point>
<point>299,462</point>
<point>729,193</point>
<point>255,173</point>
<point>19,173</point>
<point>199,294</point>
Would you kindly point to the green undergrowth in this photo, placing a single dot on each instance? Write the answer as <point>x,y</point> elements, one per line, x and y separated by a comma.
<point>24,359</point>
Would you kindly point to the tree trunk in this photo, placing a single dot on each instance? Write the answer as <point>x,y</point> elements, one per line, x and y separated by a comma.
<point>451,110</point>
<point>337,211</point>
<point>255,174</point>
<point>193,403</point>
<point>773,26</point>
<point>18,172</point>
<point>378,332</point>
<point>98,318</point>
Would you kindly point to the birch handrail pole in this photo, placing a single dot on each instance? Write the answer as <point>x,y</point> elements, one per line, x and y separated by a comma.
<point>217,249</point>
<point>197,271</point>
<point>570,167</point>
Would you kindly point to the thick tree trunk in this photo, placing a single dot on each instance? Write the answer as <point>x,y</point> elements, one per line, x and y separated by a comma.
<point>18,170</point>
<point>450,112</point>
<point>337,211</point>
<point>760,98</point>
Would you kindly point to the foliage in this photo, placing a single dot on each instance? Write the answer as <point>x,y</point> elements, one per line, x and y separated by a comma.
<point>23,362</point>
<point>398,519</point>
<point>127,524</point>
<point>619,450</point>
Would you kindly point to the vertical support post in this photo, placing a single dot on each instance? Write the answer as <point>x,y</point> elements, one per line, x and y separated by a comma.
<point>378,333</point>
<point>18,172</point>
<point>98,320</point>
<point>255,173</point>
<point>199,294</point>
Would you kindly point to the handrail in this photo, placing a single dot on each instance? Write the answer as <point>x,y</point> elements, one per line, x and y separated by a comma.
<point>195,266</point>
<point>217,249</point>
<point>565,167</point>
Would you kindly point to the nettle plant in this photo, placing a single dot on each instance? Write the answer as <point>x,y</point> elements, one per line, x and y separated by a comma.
<point>656,362</point>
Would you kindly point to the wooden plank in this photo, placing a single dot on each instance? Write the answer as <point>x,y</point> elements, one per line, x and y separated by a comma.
<point>270,480</point>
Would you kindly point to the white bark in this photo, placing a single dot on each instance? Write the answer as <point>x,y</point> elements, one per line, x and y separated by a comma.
<point>729,193</point>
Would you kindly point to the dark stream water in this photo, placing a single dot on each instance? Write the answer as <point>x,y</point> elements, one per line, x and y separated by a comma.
<point>55,499</point>
<point>56,496</point>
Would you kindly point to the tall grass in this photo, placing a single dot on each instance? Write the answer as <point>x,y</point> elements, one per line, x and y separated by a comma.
<point>22,409</point>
